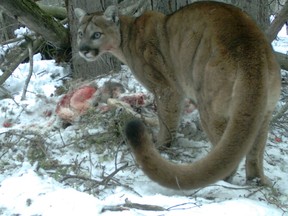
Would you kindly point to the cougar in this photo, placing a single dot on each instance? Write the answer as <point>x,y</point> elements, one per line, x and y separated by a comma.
<point>210,52</point>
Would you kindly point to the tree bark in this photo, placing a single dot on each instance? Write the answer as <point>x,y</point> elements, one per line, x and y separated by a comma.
<point>277,23</point>
<point>283,60</point>
<point>80,67</point>
<point>54,11</point>
<point>168,7</point>
<point>258,9</point>
<point>29,13</point>
<point>7,26</point>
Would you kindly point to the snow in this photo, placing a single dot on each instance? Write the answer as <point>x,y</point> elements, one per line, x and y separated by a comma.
<point>48,197</point>
<point>27,188</point>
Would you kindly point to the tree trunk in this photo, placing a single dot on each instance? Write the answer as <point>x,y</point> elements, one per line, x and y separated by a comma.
<point>29,13</point>
<point>258,9</point>
<point>278,23</point>
<point>168,7</point>
<point>82,68</point>
<point>7,26</point>
<point>54,11</point>
<point>283,60</point>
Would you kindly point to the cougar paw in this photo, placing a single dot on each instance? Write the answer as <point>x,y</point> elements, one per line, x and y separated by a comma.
<point>165,142</point>
<point>164,145</point>
<point>263,181</point>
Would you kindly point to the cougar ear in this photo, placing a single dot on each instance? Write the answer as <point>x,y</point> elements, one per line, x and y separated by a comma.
<point>111,13</point>
<point>79,13</point>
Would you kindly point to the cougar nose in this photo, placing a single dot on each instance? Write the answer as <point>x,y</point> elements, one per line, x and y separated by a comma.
<point>84,49</point>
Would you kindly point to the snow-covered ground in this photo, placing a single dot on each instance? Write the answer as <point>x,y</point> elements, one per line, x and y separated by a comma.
<point>46,169</point>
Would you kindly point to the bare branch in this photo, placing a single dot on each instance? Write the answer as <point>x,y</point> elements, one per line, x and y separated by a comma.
<point>14,40</point>
<point>30,53</point>
<point>283,111</point>
<point>277,23</point>
<point>15,56</point>
<point>32,16</point>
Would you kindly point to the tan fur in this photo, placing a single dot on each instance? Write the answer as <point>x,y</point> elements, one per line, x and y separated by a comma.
<point>210,52</point>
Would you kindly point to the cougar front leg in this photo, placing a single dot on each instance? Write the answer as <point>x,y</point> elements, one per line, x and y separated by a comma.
<point>169,108</point>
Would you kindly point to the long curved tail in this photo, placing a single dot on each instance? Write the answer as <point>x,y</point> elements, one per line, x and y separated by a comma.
<point>247,111</point>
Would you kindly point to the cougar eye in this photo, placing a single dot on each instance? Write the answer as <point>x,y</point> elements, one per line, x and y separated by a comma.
<point>96,35</point>
<point>80,34</point>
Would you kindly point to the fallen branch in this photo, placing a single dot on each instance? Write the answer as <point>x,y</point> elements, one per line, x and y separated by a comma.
<point>114,208</point>
<point>130,205</point>
<point>120,104</point>
<point>144,207</point>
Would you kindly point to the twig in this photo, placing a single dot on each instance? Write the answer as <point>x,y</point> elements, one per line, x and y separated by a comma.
<point>226,187</point>
<point>79,177</point>
<point>61,137</point>
<point>32,136</point>
<point>176,207</point>
<point>30,51</point>
<point>13,40</point>
<point>6,94</point>
<point>5,152</point>
<point>254,192</point>
<point>110,176</point>
<point>281,112</point>
<point>116,155</point>
<point>96,182</point>
<point>272,200</point>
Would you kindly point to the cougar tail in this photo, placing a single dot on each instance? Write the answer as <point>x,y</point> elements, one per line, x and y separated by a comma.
<point>247,110</point>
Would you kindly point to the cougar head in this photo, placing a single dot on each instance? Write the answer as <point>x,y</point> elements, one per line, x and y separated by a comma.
<point>98,32</point>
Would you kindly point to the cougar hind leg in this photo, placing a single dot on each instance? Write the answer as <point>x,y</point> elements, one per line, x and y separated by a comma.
<point>254,159</point>
<point>214,130</point>
<point>169,108</point>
